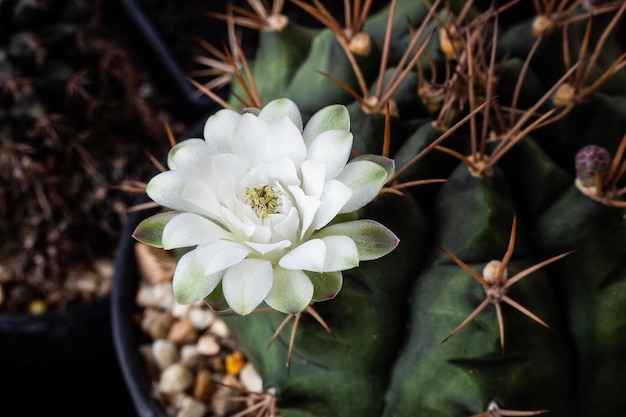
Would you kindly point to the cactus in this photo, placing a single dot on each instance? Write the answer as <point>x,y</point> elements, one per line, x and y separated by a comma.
<point>505,294</point>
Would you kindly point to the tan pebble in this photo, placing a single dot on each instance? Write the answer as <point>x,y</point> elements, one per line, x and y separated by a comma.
<point>222,401</point>
<point>165,353</point>
<point>219,328</point>
<point>157,323</point>
<point>201,318</point>
<point>208,345</point>
<point>217,364</point>
<point>145,351</point>
<point>160,295</point>
<point>175,378</point>
<point>182,332</point>
<point>250,379</point>
<point>204,385</point>
<point>191,408</point>
<point>155,265</point>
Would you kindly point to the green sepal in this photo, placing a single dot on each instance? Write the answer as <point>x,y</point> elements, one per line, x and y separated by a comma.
<point>150,230</point>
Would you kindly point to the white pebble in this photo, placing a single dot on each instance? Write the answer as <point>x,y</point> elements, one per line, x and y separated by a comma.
<point>189,354</point>
<point>191,408</point>
<point>250,379</point>
<point>165,353</point>
<point>200,318</point>
<point>219,328</point>
<point>180,310</point>
<point>175,378</point>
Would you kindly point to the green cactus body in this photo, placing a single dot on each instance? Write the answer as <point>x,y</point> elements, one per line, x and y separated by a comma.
<point>386,356</point>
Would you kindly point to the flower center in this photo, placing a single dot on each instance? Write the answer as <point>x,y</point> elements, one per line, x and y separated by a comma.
<point>263,200</point>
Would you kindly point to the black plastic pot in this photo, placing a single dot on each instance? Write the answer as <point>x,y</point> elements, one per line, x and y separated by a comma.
<point>169,75</point>
<point>126,333</point>
<point>62,363</point>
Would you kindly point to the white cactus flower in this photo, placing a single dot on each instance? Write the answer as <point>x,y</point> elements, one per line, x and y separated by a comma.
<point>258,201</point>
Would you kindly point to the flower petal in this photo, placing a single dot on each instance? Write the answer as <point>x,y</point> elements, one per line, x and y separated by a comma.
<point>190,284</point>
<point>166,189</point>
<point>341,253</point>
<point>372,239</point>
<point>279,108</point>
<point>218,131</point>
<point>308,256</point>
<point>313,178</point>
<point>334,117</point>
<point>387,163</point>
<point>366,179</point>
<point>188,229</point>
<point>265,248</point>
<point>193,142</point>
<point>219,255</point>
<point>307,207</point>
<point>326,284</point>
<point>150,230</point>
<point>291,291</point>
<point>336,194</point>
<point>333,149</point>
<point>246,284</point>
<point>287,141</point>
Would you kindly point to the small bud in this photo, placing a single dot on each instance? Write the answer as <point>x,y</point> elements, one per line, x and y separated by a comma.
<point>591,161</point>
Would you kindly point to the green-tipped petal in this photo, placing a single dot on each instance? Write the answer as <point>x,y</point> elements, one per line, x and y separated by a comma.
<point>277,109</point>
<point>291,291</point>
<point>387,163</point>
<point>246,284</point>
<point>366,178</point>
<point>372,239</point>
<point>171,155</point>
<point>150,230</point>
<point>326,284</point>
<point>189,283</point>
<point>334,117</point>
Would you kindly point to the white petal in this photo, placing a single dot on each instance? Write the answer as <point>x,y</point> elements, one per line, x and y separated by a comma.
<point>219,255</point>
<point>188,229</point>
<point>166,189</point>
<point>341,253</point>
<point>333,149</point>
<point>194,160</point>
<point>171,163</point>
<point>252,140</point>
<point>265,248</point>
<point>333,117</point>
<point>218,130</point>
<point>291,291</point>
<point>246,284</point>
<point>366,179</point>
<point>336,194</point>
<point>313,178</point>
<point>287,141</point>
<point>277,109</point>
<point>189,283</point>
<point>236,225</point>
<point>287,228</point>
<point>307,207</point>
<point>309,256</point>
<point>200,195</point>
